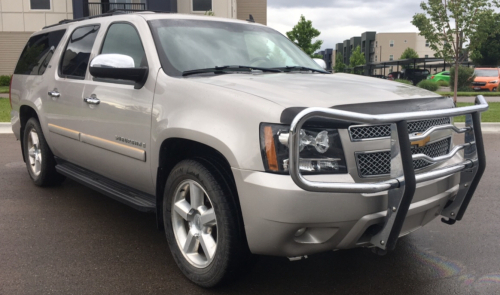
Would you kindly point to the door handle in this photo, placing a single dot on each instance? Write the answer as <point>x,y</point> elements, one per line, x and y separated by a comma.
<point>54,93</point>
<point>92,100</point>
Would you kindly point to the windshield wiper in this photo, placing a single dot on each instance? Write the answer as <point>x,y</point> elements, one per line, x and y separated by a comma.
<point>300,68</point>
<point>227,69</point>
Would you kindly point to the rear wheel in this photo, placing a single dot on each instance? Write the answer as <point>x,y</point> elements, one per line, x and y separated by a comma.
<point>39,158</point>
<point>494,89</point>
<point>202,226</point>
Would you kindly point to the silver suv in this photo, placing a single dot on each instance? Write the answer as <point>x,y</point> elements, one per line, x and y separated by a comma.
<point>237,140</point>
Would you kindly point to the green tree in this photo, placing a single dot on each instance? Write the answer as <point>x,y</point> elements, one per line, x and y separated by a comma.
<point>357,59</point>
<point>303,34</point>
<point>487,53</point>
<point>409,53</point>
<point>449,24</point>
<point>339,63</point>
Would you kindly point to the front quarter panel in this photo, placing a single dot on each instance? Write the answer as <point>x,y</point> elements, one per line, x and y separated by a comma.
<point>224,119</point>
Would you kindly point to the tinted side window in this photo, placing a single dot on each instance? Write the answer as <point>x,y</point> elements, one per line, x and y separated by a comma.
<point>76,57</point>
<point>122,38</point>
<point>37,54</point>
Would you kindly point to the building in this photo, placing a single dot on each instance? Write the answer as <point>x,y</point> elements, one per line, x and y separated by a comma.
<point>390,46</point>
<point>328,56</point>
<point>21,18</point>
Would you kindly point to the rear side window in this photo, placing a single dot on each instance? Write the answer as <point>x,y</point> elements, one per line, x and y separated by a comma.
<point>75,60</point>
<point>37,53</point>
<point>122,38</point>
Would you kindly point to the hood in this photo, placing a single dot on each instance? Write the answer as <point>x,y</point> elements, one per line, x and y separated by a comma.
<point>486,79</point>
<point>316,90</point>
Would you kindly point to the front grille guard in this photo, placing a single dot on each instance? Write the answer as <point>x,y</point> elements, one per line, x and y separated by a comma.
<point>401,187</point>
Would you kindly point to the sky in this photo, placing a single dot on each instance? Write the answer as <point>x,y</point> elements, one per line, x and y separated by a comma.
<point>338,20</point>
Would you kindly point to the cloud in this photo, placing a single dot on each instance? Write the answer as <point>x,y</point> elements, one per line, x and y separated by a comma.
<point>342,19</point>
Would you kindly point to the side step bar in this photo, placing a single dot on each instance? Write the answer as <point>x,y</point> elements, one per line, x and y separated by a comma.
<point>119,192</point>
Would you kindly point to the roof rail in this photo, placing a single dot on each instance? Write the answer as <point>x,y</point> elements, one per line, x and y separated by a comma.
<point>109,13</point>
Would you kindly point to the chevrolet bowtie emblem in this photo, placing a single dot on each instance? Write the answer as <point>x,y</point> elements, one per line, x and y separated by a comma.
<point>423,142</point>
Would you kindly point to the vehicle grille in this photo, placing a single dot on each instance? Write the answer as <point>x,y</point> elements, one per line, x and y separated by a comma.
<point>380,131</point>
<point>379,163</point>
<point>479,83</point>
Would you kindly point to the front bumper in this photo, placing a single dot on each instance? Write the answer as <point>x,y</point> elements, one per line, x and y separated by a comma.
<point>274,208</point>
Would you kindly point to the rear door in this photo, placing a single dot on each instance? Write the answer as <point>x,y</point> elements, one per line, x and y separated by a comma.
<point>63,95</point>
<point>117,130</point>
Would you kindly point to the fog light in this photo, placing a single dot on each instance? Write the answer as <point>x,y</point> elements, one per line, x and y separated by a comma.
<point>300,232</point>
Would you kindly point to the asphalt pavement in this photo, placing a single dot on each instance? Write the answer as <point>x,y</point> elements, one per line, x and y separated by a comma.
<point>72,240</point>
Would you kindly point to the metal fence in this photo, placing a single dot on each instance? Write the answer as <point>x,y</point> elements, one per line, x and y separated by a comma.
<point>97,8</point>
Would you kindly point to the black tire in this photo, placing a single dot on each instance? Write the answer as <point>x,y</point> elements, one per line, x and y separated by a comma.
<point>494,89</point>
<point>47,175</point>
<point>232,257</point>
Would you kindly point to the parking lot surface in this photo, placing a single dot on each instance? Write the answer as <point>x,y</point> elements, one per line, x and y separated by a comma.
<point>72,240</point>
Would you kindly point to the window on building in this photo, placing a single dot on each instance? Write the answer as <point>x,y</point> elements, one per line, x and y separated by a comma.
<point>391,57</point>
<point>38,52</point>
<point>427,44</point>
<point>426,56</point>
<point>76,57</point>
<point>123,39</point>
<point>202,5</point>
<point>391,43</point>
<point>40,4</point>
<point>376,58</point>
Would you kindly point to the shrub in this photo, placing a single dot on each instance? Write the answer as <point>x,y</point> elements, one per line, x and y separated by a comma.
<point>443,83</point>
<point>465,78</point>
<point>429,85</point>
<point>4,80</point>
<point>404,81</point>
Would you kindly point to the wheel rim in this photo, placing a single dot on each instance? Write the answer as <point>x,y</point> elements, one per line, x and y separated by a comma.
<point>194,224</point>
<point>34,152</point>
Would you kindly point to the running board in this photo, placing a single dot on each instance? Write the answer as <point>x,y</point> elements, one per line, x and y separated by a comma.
<point>119,192</point>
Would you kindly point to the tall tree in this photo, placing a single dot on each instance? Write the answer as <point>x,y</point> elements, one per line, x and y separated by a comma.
<point>449,24</point>
<point>357,59</point>
<point>409,53</point>
<point>339,63</point>
<point>488,52</point>
<point>303,34</point>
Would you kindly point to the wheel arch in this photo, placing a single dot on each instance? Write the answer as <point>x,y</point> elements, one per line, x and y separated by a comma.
<point>174,150</point>
<point>26,112</point>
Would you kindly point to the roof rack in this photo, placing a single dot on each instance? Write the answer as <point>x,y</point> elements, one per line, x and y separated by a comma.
<point>109,13</point>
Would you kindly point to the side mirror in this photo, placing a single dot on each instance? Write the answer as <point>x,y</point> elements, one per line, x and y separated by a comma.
<point>118,66</point>
<point>320,63</point>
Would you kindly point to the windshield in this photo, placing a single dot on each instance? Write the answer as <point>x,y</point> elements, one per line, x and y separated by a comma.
<point>486,73</point>
<point>186,45</point>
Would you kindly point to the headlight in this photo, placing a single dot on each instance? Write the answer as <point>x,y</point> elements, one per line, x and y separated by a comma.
<point>494,82</point>
<point>320,150</point>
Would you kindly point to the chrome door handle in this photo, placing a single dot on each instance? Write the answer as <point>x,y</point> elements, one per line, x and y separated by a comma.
<point>92,100</point>
<point>54,93</point>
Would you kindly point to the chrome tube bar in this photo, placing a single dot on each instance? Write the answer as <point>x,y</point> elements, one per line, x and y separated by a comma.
<point>302,117</point>
<point>438,128</point>
<point>453,152</point>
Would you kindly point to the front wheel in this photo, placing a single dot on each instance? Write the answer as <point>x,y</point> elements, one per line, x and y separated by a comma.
<point>494,89</point>
<point>202,224</point>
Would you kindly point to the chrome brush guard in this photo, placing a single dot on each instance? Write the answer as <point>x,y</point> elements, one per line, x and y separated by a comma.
<point>401,187</point>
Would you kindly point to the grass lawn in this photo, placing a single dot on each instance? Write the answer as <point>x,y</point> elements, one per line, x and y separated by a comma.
<point>4,110</point>
<point>492,115</point>
<point>483,93</point>
<point>4,89</point>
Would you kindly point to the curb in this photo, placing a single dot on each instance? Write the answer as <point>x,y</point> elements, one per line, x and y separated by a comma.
<point>5,128</point>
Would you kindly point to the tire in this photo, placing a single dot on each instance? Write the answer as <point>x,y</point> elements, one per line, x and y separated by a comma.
<point>206,238</point>
<point>494,89</point>
<point>40,161</point>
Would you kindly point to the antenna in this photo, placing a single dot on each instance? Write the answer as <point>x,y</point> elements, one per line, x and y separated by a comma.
<point>251,19</point>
